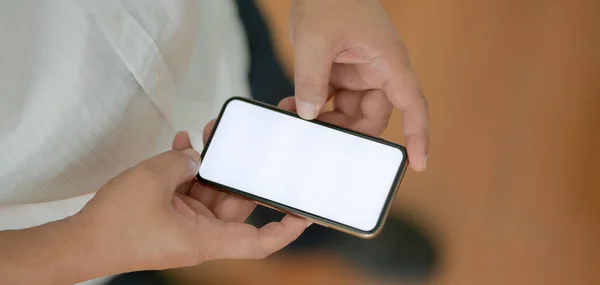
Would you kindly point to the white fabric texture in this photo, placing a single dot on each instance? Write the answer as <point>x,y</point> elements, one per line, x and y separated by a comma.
<point>91,87</point>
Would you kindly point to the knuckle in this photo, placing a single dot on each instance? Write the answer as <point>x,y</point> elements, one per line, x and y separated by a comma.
<point>423,99</point>
<point>398,45</point>
<point>398,55</point>
<point>307,33</point>
<point>220,211</point>
<point>310,83</point>
<point>311,90</point>
<point>177,156</point>
<point>256,248</point>
<point>182,158</point>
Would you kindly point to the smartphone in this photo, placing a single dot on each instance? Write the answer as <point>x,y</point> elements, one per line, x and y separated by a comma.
<point>331,176</point>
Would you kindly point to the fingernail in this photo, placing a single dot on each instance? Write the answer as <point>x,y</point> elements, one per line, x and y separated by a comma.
<point>425,163</point>
<point>306,110</point>
<point>193,154</point>
<point>309,224</point>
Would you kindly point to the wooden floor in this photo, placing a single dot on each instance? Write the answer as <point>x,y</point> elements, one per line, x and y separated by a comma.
<point>512,191</point>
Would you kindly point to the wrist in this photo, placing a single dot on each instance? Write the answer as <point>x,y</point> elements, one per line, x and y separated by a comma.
<point>87,252</point>
<point>59,252</point>
<point>78,250</point>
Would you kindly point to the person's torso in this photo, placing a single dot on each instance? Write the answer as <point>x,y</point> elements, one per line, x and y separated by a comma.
<point>89,88</point>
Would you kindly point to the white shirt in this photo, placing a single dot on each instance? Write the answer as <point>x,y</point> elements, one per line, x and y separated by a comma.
<point>91,87</point>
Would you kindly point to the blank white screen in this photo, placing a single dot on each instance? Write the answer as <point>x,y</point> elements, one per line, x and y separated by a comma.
<point>319,170</point>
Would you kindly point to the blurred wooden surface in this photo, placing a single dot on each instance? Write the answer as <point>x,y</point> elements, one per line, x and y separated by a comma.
<point>512,190</point>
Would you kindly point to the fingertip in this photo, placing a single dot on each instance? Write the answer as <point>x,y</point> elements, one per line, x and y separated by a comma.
<point>208,130</point>
<point>306,110</point>
<point>288,104</point>
<point>182,134</point>
<point>420,165</point>
<point>312,68</point>
<point>293,222</point>
<point>417,152</point>
<point>181,141</point>
<point>417,162</point>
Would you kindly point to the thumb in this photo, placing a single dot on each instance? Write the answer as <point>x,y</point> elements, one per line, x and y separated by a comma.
<point>170,169</point>
<point>313,57</point>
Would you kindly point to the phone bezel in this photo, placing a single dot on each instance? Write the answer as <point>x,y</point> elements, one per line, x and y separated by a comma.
<point>287,209</point>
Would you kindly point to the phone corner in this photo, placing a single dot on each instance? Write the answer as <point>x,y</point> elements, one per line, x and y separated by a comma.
<point>403,150</point>
<point>372,234</point>
<point>234,98</point>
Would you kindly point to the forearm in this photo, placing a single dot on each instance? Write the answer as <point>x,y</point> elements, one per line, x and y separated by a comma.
<point>61,252</point>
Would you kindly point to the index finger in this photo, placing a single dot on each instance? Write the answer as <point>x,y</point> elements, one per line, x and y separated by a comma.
<point>313,57</point>
<point>403,90</point>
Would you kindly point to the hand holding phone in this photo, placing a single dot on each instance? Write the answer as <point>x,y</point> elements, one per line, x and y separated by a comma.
<point>329,175</point>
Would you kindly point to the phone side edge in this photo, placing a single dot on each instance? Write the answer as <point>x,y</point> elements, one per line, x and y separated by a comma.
<point>391,197</point>
<point>321,123</point>
<point>213,131</point>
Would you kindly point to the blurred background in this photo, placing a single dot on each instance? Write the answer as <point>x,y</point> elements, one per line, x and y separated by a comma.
<point>512,190</point>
